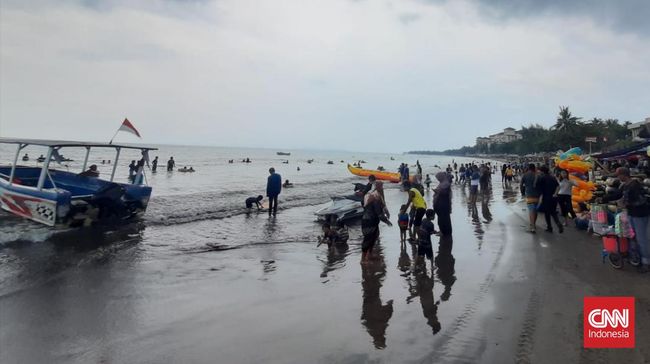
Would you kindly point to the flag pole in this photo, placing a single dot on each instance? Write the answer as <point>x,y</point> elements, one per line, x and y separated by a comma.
<point>114,135</point>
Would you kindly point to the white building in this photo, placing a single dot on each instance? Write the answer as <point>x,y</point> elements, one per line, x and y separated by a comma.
<point>636,127</point>
<point>508,135</point>
<point>482,141</point>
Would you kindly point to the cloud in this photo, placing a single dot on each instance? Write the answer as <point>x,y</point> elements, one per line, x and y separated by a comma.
<point>363,75</point>
<point>621,15</point>
<point>408,18</point>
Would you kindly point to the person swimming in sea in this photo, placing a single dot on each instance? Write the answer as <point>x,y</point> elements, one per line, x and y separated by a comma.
<point>254,201</point>
<point>287,184</point>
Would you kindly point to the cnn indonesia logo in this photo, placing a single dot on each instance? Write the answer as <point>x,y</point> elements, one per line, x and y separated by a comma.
<point>608,322</point>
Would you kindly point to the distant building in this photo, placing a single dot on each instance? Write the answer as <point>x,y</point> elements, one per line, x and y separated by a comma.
<point>636,127</point>
<point>506,136</point>
<point>482,141</point>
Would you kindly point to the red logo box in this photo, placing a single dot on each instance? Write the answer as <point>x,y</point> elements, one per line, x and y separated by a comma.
<point>608,322</point>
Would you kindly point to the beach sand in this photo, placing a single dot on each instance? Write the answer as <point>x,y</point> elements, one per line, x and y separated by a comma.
<point>186,294</point>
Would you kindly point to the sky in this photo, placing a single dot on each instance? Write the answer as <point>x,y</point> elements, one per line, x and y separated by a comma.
<point>362,75</point>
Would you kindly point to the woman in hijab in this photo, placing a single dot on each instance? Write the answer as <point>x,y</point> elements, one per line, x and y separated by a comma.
<point>442,203</point>
<point>373,213</point>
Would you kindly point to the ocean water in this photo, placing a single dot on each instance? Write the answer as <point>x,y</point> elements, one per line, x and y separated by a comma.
<point>217,189</point>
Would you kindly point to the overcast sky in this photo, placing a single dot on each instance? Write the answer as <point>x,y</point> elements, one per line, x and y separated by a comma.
<point>330,74</point>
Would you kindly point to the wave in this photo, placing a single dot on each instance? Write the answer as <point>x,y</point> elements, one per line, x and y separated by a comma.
<point>186,208</point>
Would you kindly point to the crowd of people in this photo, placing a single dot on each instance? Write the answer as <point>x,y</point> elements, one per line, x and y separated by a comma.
<point>547,188</point>
<point>547,191</point>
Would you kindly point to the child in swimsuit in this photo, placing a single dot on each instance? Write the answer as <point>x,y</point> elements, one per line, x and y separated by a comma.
<point>403,222</point>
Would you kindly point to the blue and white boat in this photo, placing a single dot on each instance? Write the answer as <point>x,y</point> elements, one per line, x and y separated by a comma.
<point>60,198</point>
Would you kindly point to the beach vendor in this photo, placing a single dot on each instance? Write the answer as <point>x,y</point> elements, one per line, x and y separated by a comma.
<point>638,209</point>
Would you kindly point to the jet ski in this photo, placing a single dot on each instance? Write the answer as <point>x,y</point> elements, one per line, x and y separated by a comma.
<point>343,207</point>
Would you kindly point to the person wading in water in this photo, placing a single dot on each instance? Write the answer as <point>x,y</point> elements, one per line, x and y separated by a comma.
<point>273,189</point>
<point>420,206</point>
<point>373,213</point>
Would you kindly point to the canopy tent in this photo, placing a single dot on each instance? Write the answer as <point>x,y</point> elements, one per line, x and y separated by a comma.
<point>639,148</point>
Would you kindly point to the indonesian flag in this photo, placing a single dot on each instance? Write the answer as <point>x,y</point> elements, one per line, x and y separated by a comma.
<point>127,126</point>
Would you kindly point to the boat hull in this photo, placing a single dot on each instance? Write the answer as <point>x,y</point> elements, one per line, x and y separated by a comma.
<point>75,201</point>
<point>38,207</point>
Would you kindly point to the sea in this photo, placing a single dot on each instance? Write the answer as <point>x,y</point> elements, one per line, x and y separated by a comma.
<point>217,189</point>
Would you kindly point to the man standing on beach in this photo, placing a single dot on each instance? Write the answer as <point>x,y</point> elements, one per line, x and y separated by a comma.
<point>529,190</point>
<point>273,189</point>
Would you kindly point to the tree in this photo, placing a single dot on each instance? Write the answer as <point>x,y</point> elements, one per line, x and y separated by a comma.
<point>566,123</point>
<point>598,122</point>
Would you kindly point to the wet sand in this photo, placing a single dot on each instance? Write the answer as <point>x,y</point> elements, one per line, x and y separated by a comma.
<point>196,293</point>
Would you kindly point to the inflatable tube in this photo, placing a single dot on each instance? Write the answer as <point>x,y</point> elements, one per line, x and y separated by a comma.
<point>581,176</point>
<point>575,166</point>
<point>582,185</point>
<point>584,196</point>
<point>577,151</point>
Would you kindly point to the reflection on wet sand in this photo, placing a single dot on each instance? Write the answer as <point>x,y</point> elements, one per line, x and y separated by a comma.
<point>423,288</point>
<point>476,222</point>
<point>335,258</point>
<point>80,300</point>
<point>445,264</point>
<point>485,210</point>
<point>509,194</point>
<point>374,314</point>
<point>404,261</point>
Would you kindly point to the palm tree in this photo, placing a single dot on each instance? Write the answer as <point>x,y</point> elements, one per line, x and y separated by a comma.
<point>597,122</point>
<point>566,122</point>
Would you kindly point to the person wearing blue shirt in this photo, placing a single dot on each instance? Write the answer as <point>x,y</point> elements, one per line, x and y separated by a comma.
<point>273,189</point>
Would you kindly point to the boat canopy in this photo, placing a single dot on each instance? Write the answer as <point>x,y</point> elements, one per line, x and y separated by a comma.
<point>69,143</point>
<point>54,145</point>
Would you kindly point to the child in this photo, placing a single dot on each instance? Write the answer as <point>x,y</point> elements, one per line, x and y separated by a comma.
<point>403,222</point>
<point>254,200</point>
<point>427,181</point>
<point>411,220</point>
<point>424,237</point>
<point>333,232</point>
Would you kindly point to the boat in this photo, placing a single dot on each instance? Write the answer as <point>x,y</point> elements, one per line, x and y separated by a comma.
<point>25,158</point>
<point>330,162</point>
<point>283,153</point>
<point>343,208</point>
<point>59,198</point>
<point>380,175</point>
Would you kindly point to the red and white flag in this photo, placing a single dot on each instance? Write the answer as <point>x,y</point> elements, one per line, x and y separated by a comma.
<point>127,126</point>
